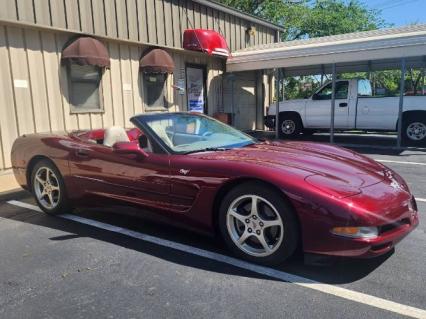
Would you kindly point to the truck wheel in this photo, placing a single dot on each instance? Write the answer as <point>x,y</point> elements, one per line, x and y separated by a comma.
<point>414,131</point>
<point>290,126</point>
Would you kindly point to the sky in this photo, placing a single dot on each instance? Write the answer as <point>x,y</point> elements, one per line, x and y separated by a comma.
<point>400,12</point>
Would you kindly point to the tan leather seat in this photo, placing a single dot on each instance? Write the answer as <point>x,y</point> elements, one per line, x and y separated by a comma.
<point>115,134</point>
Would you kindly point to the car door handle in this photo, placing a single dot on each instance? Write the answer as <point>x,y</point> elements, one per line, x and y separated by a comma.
<point>82,153</point>
<point>343,104</point>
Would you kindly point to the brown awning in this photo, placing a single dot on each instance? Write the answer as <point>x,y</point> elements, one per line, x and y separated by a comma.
<point>157,61</point>
<point>86,51</point>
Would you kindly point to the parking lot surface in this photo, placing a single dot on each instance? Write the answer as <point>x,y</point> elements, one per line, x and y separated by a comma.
<point>106,265</point>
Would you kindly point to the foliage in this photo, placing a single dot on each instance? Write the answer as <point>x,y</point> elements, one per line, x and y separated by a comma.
<point>307,19</point>
<point>304,19</point>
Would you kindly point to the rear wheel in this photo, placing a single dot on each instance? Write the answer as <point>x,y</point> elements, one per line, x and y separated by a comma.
<point>258,224</point>
<point>414,131</point>
<point>290,126</point>
<point>49,189</point>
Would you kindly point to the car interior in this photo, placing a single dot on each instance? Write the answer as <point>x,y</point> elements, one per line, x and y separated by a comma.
<point>109,136</point>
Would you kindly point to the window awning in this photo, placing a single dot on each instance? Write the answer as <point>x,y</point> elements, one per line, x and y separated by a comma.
<point>157,61</point>
<point>86,51</point>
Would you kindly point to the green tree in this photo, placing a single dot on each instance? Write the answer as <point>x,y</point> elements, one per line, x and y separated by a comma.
<point>307,19</point>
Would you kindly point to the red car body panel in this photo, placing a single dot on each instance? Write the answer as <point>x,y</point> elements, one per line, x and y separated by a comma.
<point>328,186</point>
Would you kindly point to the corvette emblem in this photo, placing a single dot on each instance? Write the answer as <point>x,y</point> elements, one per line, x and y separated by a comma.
<point>184,171</point>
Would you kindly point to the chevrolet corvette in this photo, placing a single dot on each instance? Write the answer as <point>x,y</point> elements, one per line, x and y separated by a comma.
<point>265,199</point>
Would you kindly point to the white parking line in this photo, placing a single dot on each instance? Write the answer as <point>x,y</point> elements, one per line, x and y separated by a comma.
<point>399,162</point>
<point>266,271</point>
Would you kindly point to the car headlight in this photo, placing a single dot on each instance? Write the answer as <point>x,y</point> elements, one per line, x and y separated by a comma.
<point>356,232</point>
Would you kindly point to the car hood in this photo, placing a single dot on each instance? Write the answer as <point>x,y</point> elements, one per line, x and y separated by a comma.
<point>339,172</point>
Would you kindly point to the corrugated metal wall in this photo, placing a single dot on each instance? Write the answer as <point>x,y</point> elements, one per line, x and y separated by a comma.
<point>159,22</point>
<point>34,88</point>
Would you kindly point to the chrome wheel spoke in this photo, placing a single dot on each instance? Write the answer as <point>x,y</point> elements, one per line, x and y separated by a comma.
<point>263,242</point>
<point>237,215</point>
<point>49,195</point>
<point>271,223</point>
<point>244,237</point>
<point>48,172</point>
<point>40,180</point>
<point>254,203</point>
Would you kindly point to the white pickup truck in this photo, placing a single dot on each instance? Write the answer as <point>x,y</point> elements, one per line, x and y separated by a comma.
<point>356,108</point>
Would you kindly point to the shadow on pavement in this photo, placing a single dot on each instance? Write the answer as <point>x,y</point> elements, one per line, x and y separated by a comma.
<point>341,272</point>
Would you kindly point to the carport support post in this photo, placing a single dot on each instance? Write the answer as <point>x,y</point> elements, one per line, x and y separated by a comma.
<point>232,77</point>
<point>401,102</point>
<point>333,102</point>
<point>277,110</point>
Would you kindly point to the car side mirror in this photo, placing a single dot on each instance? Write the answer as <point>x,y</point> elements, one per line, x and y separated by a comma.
<point>126,148</point>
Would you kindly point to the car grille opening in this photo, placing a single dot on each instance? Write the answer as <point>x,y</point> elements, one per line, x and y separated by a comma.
<point>389,227</point>
<point>381,247</point>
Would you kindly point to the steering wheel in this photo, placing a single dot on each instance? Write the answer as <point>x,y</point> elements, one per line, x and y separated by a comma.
<point>208,133</point>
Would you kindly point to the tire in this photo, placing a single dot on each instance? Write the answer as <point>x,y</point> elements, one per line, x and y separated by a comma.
<point>414,130</point>
<point>290,126</point>
<point>273,209</point>
<point>57,202</point>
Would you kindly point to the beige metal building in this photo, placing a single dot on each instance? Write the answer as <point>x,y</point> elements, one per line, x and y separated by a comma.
<point>40,93</point>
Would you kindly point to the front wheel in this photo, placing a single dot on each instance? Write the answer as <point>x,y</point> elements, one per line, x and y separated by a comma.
<point>49,189</point>
<point>258,224</point>
<point>414,131</point>
<point>290,126</point>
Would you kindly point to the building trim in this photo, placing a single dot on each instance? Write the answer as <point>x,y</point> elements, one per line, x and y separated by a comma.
<point>27,25</point>
<point>240,14</point>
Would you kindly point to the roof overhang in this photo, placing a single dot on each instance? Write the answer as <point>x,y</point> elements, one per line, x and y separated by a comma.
<point>237,13</point>
<point>355,52</point>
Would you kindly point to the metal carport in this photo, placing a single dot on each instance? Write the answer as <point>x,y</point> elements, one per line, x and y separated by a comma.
<point>354,52</point>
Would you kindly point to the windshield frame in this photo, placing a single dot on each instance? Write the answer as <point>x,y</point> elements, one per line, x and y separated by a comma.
<point>141,121</point>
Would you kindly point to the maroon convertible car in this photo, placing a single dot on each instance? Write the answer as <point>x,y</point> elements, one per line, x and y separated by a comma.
<point>265,199</point>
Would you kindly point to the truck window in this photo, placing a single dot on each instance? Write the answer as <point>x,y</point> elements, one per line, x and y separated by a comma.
<point>325,93</point>
<point>364,88</point>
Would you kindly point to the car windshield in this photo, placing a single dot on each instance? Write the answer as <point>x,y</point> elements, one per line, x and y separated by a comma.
<point>185,133</point>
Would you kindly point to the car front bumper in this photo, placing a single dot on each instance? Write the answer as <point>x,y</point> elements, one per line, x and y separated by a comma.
<point>388,237</point>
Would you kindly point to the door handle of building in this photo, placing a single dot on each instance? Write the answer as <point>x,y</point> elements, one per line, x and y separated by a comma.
<point>82,153</point>
<point>343,104</point>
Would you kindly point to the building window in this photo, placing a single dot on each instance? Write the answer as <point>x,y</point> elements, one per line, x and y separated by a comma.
<point>84,88</point>
<point>154,84</point>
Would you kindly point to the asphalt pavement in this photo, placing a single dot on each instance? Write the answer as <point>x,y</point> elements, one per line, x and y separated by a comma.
<point>106,265</point>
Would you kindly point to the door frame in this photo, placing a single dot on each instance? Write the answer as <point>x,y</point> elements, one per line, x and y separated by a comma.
<point>203,67</point>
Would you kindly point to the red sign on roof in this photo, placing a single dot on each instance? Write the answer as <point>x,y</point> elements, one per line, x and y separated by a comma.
<point>208,41</point>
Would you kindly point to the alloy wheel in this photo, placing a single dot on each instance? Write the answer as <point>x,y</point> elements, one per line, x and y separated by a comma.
<point>254,225</point>
<point>46,187</point>
<point>288,127</point>
<point>416,131</point>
